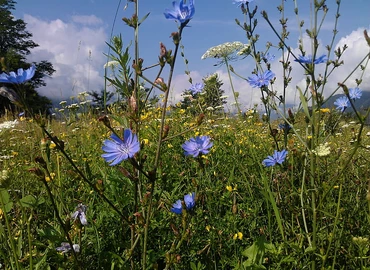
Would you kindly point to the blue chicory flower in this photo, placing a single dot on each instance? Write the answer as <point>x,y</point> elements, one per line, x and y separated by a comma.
<point>355,93</point>
<point>268,57</point>
<point>177,207</point>
<point>80,213</point>
<point>308,59</point>
<point>65,247</point>
<point>261,79</point>
<point>119,150</point>
<point>196,88</point>
<point>189,200</point>
<point>20,77</point>
<point>180,12</point>
<point>198,145</point>
<point>342,103</point>
<point>284,126</point>
<point>277,157</point>
<point>241,2</point>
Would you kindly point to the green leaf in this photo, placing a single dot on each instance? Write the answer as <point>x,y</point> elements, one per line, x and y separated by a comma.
<point>121,120</point>
<point>4,196</point>
<point>8,207</point>
<point>29,201</point>
<point>144,18</point>
<point>304,103</point>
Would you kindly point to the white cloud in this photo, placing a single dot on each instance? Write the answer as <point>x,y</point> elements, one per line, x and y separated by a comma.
<point>357,49</point>
<point>87,19</point>
<point>75,51</point>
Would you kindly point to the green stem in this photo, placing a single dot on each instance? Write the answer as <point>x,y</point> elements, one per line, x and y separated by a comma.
<point>61,222</point>
<point>30,240</point>
<point>10,236</point>
<point>232,86</point>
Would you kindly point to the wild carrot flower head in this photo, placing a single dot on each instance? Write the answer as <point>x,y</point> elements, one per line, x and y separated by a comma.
<point>308,59</point>
<point>180,12</point>
<point>277,157</point>
<point>198,145</point>
<point>80,213</point>
<point>225,50</point>
<point>196,88</point>
<point>342,103</point>
<point>261,79</point>
<point>20,77</point>
<point>118,150</point>
<point>355,93</point>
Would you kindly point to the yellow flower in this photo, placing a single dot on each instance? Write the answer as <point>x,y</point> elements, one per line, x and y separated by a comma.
<point>47,178</point>
<point>182,111</point>
<point>52,145</point>
<point>169,145</point>
<point>208,228</point>
<point>238,235</point>
<point>145,141</point>
<point>230,188</point>
<point>325,110</point>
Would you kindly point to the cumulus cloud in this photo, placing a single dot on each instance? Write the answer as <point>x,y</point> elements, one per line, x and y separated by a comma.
<point>74,49</point>
<point>357,50</point>
<point>87,19</point>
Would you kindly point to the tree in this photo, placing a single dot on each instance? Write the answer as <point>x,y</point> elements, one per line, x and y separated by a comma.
<point>208,99</point>
<point>15,45</point>
<point>98,98</point>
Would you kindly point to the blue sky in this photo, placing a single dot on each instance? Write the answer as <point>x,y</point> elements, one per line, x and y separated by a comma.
<point>72,35</point>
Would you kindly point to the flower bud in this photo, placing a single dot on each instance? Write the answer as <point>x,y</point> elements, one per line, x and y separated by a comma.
<point>105,121</point>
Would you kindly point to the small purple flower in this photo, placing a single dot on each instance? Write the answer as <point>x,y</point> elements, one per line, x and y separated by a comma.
<point>355,93</point>
<point>342,103</point>
<point>65,247</point>
<point>189,200</point>
<point>198,145</point>
<point>20,77</point>
<point>268,57</point>
<point>80,213</point>
<point>308,59</point>
<point>277,157</point>
<point>241,2</point>
<point>119,150</point>
<point>180,12</point>
<point>177,207</point>
<point>284,126</point>
<point>261,79</point>
<point>196,88</point>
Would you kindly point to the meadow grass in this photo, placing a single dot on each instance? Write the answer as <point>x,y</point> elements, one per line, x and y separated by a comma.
<point>233,224</point>
<point>189,186</point>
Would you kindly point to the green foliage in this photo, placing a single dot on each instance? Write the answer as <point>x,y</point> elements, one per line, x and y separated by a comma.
<point>210,99</point>
<point>15,45</point>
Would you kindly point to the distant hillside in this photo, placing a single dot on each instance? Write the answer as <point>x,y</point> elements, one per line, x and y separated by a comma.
<point>363,103</point>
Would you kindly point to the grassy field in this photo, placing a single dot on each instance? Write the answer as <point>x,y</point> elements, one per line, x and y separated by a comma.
<point>246,215</point>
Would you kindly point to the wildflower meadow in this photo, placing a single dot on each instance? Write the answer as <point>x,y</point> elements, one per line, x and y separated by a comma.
<point>142,183</point>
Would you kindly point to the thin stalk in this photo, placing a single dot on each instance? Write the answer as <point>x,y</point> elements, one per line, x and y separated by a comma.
<point>10,236</point>
<point>30,240</point>
<point>232,86</point>
<point>81,174</point>
<point>61,222</point>
<point>334,226</point>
